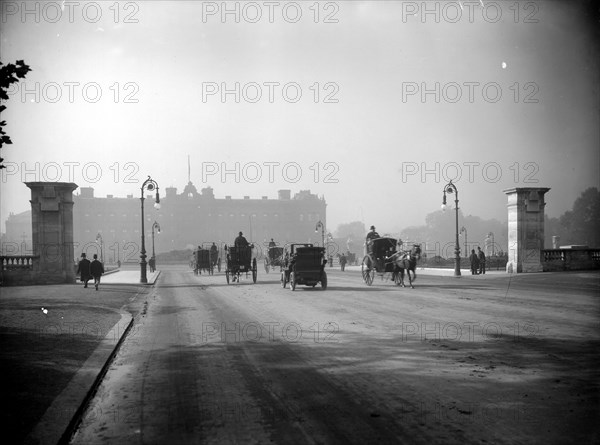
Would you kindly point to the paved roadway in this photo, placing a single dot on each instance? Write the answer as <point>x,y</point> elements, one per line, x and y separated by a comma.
<point>486,359</point>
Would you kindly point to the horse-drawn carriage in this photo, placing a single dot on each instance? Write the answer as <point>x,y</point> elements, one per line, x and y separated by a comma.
<point>304,264</point>
<point>239,260</point>
<point>382,258</point>
<point>274,258</point>
<point>202,261</point>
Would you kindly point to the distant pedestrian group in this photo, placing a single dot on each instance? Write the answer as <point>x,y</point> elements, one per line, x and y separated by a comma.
<point>477,260</point>
<point>90,270</point>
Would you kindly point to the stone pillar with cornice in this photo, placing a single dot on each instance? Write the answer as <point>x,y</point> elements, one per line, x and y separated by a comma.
<point>52,231</point>
<point>525,228</point>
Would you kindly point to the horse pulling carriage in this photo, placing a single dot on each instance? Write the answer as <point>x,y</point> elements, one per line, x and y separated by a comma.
<point>382,258</point>
<point>274,258</point>
<point>304,264</point>
<point>239,260</point>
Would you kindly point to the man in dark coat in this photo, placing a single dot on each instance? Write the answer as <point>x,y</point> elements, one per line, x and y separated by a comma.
<point>474,262</point>
<point>369,239</point>
<point>240,241</point>
<point>481,258</point>
<point>83,270</point>
<point>343,261</point>
<point>96,269</point>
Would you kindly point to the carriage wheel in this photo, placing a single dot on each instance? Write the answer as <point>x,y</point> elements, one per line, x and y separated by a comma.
<point>227,275</point>
<point>292,280</point>
<point>368,273</point>
<point>324,280</point>
<point>254,270</point>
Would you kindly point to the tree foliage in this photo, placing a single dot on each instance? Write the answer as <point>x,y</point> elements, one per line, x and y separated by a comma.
<point>9,74</point>
<point>354,230</point>
<point>581,224</point>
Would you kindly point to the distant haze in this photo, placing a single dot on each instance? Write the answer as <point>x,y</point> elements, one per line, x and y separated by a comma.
<point>373,105</point>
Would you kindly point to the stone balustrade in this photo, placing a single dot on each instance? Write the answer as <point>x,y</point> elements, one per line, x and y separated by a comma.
<point>570,259</point>
<point>17,262</point>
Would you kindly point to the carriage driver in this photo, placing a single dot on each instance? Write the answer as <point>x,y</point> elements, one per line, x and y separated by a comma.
<point>240,241</point>
<point>370,237</point>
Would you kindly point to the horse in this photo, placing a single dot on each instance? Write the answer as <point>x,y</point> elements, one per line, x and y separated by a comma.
<point>406,260</point>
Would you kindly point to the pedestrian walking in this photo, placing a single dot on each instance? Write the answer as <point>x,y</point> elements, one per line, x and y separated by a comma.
<point>481,258</point>
<point>96,269</point>
<point>343,261</point>
<point>474,262</point>
<point>83,269</point>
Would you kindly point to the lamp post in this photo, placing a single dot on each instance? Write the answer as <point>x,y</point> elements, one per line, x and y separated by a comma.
<point>464,229</point>
<point>150,185</point>
<point>322,226</point>
<point>451,188</point>
<point>491,235</point>
<point>157,227</point>
<point>99,241</point>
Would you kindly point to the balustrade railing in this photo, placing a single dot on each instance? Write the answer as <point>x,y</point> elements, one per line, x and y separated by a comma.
<point>17,262</point>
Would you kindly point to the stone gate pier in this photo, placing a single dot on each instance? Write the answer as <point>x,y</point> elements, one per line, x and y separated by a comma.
<point>525,229</point>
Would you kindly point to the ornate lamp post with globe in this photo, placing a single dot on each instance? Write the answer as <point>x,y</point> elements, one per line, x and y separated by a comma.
<point>101,242</point>
<point>450,188</point>
<point>322,226</point>
<point>150,185</point>
<point>156,226</point>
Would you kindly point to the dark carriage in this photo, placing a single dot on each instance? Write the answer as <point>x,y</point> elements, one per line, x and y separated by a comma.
<point>239,260</point>
<point>377,259</point>
<point>304,264</point>
<point>274,258</point>
<point>351,258</point>
<point>202,261</point>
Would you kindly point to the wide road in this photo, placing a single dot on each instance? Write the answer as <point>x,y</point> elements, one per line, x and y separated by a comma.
<point>492,359</point>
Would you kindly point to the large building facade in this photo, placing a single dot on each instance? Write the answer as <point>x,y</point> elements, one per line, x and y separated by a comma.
<point>111,226</point>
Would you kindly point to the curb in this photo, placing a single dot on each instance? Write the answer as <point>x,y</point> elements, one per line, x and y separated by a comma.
<point>76,419</point>
<point>49,429</point>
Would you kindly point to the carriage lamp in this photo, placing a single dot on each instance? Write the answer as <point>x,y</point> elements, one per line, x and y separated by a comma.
<point>150,185</point>
<point>451,188</point>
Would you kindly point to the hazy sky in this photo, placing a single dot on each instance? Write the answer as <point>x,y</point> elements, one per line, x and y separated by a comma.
<point>353,100</point>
